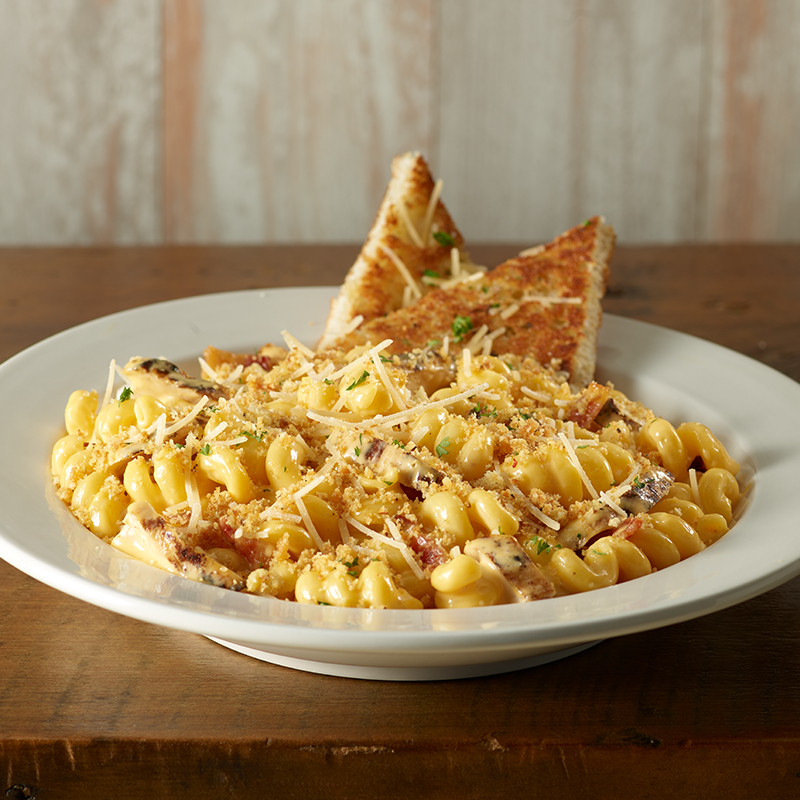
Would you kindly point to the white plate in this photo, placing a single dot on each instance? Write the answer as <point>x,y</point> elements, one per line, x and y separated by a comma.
<point>751,407</point>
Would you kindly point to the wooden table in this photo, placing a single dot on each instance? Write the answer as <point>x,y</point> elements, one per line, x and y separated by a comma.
<point>95,705</point>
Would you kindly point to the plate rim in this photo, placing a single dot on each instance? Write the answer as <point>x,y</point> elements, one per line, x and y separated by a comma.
<point>150,610</point>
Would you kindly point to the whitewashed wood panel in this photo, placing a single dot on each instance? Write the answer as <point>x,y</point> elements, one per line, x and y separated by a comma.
<point>79,126</point>
<point>552,112</point>
<point>299,109</point>
<point>752,169</point>
<point>276,120</point>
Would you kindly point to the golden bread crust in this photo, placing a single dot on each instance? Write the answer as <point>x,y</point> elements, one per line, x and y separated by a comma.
<point>547,302</point>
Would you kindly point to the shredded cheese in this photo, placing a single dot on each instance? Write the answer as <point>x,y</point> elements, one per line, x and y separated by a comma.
<point>321,475</point>
<point>362,359</point>
<point>388,383</point>
<point>535,510</point>
<point>185,420</point>
<point>276,513</point>
<point>295,344</point>
<point>431,209</point>
<point>416,292</point>
<point>573,457</point>
<point>308,522</point>
<point>354,323</point>
<point>400,416</point>
<point>413,233</point>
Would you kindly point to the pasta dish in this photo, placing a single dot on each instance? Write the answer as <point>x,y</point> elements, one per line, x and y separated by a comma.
<point>442,477</point>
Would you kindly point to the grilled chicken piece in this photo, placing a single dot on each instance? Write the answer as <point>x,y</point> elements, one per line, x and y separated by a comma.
<point>386,460</point>
<point>146,537</point>
<point>647,490</point>
<point>162,379</point>
<point>504,556</point>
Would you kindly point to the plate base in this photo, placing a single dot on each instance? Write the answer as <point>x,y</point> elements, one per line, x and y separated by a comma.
<point>371,673</point>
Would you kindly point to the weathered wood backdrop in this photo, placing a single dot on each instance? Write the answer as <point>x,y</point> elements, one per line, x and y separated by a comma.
<point>127,121</point>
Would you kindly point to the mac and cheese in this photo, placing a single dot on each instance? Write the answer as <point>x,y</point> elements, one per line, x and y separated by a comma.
<point>429,479</point>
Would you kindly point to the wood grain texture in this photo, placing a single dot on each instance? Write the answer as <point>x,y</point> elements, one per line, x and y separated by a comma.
<point>582,107</point>
<point>94,704</point>
<point>752,177</point>
<point>79,138</point>
<point>192,121</point>
<point>296,113</point>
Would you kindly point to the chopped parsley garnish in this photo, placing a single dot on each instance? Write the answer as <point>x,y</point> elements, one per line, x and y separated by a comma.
<point>125,394</point>
<point>444,238</point>
<point>432,343</point>
<point>351,567</point>
<point>482,410</point>
<point>442,449</point>
<point>206,449</point>
<point>258,436</point>
<point>212,409</point>
<point>461,327</point>
<point>328,381</point>
<point>543,546</point>
<point>431,273</point>
<point>399,444</point>
<point>358,381</point>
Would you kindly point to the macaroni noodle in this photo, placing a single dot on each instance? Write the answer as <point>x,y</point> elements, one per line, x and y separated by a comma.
<point>421,480</point>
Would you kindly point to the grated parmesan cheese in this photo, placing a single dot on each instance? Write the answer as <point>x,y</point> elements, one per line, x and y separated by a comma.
<point>394,392</point>
<point>400,416</point>
<point>295,344</point>
<point>573,457</point>
<point>185,420</point>
<point>430,210</point>
<point>354,323</point>
<point>413,233</point>
<point>415,291</point>
<point>308,522</point>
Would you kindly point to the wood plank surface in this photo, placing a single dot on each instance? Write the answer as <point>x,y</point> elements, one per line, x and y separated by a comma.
<point>93,704</point>
<point>191,121</point>
<point>79,138</point>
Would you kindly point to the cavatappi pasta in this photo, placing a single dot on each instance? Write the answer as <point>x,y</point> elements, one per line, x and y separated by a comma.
<point>442,478</point>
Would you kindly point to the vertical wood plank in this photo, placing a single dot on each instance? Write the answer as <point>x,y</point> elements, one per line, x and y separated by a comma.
<point>79,154</point>
<point>181,60</point>
<point>753,130</point>
<point>297,110</point>
<point>552,112</point>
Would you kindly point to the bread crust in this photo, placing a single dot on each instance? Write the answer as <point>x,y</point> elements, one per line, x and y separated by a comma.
<point>375,286</point>
<point>572,271</point>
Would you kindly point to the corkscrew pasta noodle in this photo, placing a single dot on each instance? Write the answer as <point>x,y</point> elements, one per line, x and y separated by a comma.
<point>435,478</point>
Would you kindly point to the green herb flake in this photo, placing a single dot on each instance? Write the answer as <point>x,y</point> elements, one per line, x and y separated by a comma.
<point>358,381</point>
<point>482,410</point>
<point>444,238</point>
<point>461,327</point>
<point>126,394</point>
<point>442,449</point>
<point>431,273</point>
<point>213,409</point>
<point>206,449</point>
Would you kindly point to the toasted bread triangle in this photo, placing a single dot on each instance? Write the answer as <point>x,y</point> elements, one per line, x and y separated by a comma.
<point>401,240</point>
<point>545,303</point>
